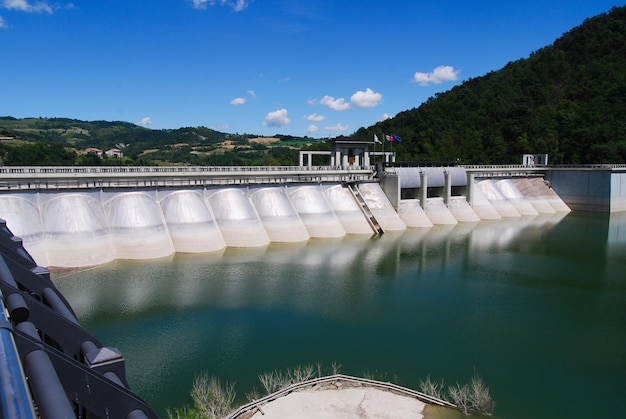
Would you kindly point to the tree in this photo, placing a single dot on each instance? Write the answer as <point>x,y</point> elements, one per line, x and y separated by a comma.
<point>39,154</point>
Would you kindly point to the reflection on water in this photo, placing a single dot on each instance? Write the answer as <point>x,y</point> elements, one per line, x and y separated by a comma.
<point>535,304</point>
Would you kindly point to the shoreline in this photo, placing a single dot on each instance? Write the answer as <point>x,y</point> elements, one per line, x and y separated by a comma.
<point>59,271</point>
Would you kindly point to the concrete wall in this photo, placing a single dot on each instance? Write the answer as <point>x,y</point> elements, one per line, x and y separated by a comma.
<point>600,190</point>
<point>618,192</point>
<point>390,184</point>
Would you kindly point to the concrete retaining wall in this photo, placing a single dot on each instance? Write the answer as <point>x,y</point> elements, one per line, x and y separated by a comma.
<point>590,190</point>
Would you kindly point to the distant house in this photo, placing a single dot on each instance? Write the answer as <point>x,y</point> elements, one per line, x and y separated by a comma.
<point>114,152</point>
<point>93,150</point>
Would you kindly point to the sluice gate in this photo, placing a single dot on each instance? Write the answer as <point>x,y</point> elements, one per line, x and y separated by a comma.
<point>88,225</point>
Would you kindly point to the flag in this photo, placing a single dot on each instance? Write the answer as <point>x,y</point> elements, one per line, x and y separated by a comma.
<point>389,137</point>
<point>396,138</point>
<point>376,140</point>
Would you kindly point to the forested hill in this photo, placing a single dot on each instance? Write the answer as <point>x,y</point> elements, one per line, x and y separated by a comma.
<point>62,141</point>
<point>567,99</point>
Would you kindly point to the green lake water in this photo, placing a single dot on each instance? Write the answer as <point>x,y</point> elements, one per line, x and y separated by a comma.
<point>536,305</point>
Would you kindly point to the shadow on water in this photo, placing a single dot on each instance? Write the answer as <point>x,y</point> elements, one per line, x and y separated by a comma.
<point>535,304</point>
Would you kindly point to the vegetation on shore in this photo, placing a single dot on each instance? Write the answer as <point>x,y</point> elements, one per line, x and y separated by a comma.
<point>470,398</point>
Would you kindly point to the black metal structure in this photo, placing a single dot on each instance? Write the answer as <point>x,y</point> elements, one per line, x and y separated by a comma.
<point>48,358</point>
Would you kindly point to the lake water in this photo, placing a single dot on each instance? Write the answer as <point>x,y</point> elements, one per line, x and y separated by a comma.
<point>536,305</point>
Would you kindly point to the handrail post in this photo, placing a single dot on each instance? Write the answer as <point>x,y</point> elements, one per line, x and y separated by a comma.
<point>15,398</point>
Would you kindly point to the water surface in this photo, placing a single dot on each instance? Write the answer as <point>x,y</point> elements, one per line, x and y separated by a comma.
<point>535,305</point>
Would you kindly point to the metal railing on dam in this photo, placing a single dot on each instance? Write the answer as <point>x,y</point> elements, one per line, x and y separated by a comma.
<point>512,170</point>
<point>92,177</point>
<point>88,177</point>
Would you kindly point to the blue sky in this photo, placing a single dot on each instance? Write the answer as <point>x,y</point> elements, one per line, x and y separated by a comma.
<point>318,68</point>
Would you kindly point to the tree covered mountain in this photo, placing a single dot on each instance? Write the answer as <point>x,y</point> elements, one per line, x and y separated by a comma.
<point>567,100</point>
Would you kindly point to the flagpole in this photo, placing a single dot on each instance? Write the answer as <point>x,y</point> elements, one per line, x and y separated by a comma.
<point>374,149</point>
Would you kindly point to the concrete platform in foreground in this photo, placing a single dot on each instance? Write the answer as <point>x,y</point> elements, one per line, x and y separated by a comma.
<point>341,396</point>
<point>348,403</point>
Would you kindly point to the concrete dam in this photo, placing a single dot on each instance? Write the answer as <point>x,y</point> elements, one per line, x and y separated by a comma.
<point>78,217</point>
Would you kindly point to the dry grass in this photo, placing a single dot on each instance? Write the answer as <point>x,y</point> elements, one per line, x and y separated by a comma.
<point>433,388</point>
<point>211,400</point>
<point>470,398</point>
<point>276,380</point>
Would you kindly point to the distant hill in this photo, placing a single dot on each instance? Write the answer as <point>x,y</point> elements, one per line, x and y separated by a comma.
<point>56,141</point>
<point>567,99</point>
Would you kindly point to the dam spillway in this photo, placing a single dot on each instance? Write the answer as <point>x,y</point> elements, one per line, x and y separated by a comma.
<point>94,225</point>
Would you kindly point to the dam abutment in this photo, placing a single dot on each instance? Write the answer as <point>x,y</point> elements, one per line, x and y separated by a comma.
<point>597,188</point>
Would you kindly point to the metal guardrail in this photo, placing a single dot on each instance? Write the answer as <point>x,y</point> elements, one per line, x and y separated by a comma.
<point>69,372</point>
<point>169,170</point>
<point>356,381</point>
<point>64,178</point>
<point>21,178</point>
<point>518,170</point>
<point>15,398</point>
<point>488,167</point>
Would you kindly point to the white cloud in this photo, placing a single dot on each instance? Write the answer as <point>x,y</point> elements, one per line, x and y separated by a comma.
<point>386,116</point>
<point>312,128</point>
<point>219,127</point>
<point>338,127</point>
<point>146,121</point>
<point>315,117</point>
<point>335,104</point>
<point>3,23</point>
<point>243,100</point>
<point>239,5</point>
<point>199,4</point>
<point>366,99</point>
<point>437,76</point>
<point>236,5</point>
<point>277,118</point>
<point>360,99</point>
<point>27,6</point>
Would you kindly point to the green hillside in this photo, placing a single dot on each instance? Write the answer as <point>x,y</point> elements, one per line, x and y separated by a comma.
<point>567,99</point>
<point>61,141</point>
